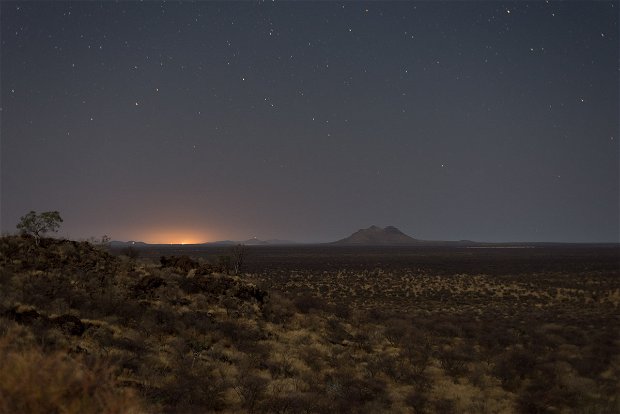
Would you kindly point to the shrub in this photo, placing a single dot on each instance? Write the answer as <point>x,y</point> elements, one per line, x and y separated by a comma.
<point>307,302</point>
<point>453,362</point>
<point>250,389</point>
<point>418,401</point>
<point>513,367</point>
<point>33,382</point>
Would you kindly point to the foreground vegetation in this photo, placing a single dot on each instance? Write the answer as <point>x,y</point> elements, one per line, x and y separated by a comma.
<point>84,331</point>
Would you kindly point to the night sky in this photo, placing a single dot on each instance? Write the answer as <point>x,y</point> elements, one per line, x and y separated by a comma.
<point>190,122</point>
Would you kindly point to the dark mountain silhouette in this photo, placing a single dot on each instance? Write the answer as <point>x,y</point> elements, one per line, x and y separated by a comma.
<point>374,235</point>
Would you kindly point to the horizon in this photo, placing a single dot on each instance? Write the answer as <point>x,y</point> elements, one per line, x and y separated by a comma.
<point>188,241</point>
<point>206,121</point>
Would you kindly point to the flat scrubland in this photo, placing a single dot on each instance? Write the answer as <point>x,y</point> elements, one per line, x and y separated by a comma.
<point>308,330</point>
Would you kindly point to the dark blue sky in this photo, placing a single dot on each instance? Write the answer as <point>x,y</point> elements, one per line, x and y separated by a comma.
<point>491,121</point>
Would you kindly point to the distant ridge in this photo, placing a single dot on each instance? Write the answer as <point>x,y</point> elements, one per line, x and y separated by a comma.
<point>117,243</point>
<point>376,236</point>
<point>250,242</point>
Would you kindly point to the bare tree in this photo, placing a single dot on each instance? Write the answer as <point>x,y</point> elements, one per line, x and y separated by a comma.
<point>238,254</point>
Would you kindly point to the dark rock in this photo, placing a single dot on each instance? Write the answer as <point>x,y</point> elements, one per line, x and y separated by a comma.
<point>24,317</point>
<point>69,324</point>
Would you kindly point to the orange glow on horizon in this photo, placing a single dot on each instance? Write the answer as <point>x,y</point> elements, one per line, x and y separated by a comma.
<point>175,237</point>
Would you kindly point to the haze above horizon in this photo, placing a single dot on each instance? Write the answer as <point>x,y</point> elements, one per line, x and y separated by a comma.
<point>306,121</point>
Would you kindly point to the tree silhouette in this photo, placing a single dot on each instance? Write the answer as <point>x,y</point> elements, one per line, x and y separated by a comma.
<point>36,225</point>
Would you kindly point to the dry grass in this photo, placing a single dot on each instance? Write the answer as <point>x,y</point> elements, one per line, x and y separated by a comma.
<point>83,331</point>
<point>33,381</point>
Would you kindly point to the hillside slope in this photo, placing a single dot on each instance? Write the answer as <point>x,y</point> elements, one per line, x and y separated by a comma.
<point>83,331</point>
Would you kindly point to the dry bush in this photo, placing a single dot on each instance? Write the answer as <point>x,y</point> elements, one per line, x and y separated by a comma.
<point>278,309</point>
<point>289,403</point>
<point>418,401</point>
<point>33,382</point>
<point>250,388</point>
<point>307,302</point>
<point>396,330</point>
<point>453,361</point>
<point>513,367</point>
<point>350,394</point>
<point>191,387</point>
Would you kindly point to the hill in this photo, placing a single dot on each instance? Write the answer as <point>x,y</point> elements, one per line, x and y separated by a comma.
<point>84,331</point>
<point>373,236</point>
